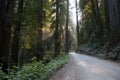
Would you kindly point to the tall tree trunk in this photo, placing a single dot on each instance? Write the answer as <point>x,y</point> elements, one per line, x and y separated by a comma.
<point>40,24</point>
<point>113,21</point>
<point>16,39</point>
<point>107,18</point>
<point>6,7</point>
<point>61,28</point>
<point>96,12</point>
<point>66,28</point>
<point>77,25</point>
<point>56,34</point>
<point>98,32</point>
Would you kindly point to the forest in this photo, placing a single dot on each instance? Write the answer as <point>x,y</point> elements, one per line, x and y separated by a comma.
<point>32,38</point>
<point>36,36</point>
<point>99,31</point>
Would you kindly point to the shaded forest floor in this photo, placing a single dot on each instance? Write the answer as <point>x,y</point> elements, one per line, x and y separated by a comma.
<point>81,67</point>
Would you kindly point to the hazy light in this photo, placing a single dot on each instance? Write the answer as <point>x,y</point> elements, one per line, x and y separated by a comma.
<point>73,11</point>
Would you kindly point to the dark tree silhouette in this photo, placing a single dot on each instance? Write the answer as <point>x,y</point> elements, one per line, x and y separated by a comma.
<point>66,28</point>
<point>6,7</point>
<point>16,39</point>
<point>40,50</point>
<point>112,12</point>
<point>77,25</point>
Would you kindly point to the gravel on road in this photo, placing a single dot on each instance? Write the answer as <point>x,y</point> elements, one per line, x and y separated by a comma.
<point>82,67</point>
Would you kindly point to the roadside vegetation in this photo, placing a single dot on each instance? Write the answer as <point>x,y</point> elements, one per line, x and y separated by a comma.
<point>35,70</point>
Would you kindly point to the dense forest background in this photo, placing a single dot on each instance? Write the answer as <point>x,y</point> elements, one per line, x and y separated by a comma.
<point>33,28</point>
<point>43,30</point>
<point>99,30</point>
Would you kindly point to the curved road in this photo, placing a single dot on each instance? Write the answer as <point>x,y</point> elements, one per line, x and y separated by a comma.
<point>82,67</point>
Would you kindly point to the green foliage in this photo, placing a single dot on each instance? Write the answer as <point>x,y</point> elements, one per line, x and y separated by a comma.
<point>36,70</point>
<point>91,30</point>
<point>30,30</point>
<point>83,3</point>
<point>48,55</point>
<point>2,75</point>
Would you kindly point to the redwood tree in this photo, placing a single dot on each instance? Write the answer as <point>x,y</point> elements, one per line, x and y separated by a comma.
<point>66,28</point>
<point>56,33</point>
<point>39,53</point>
<point>112,12</point>
<point>6,7</point>
<point>16,39</point>
<point>77,25</point>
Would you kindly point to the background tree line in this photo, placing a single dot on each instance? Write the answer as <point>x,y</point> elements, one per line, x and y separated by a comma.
<point>100,26</point>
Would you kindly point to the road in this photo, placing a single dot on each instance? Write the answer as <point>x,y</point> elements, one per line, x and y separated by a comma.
<point>82,67</point>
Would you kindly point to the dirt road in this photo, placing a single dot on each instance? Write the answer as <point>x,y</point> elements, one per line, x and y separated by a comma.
<point>82,67</point>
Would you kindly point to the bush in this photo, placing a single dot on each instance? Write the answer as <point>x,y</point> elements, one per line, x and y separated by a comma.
<point>36,70</point>
<point>2,75</point>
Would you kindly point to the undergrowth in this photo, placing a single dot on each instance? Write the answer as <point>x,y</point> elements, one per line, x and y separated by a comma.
<point>35,70</point>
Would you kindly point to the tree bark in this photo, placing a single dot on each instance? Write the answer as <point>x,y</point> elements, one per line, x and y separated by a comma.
<point>66,29</point>
<point>113,21</point>
<point>56,34</point>
<point>96,12</point>
<point>77,25</point>
<point>6,7</point>
<point>97,23</point>
<point>107,18</point>
<point>16,39</point>
<point>40,24</point>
